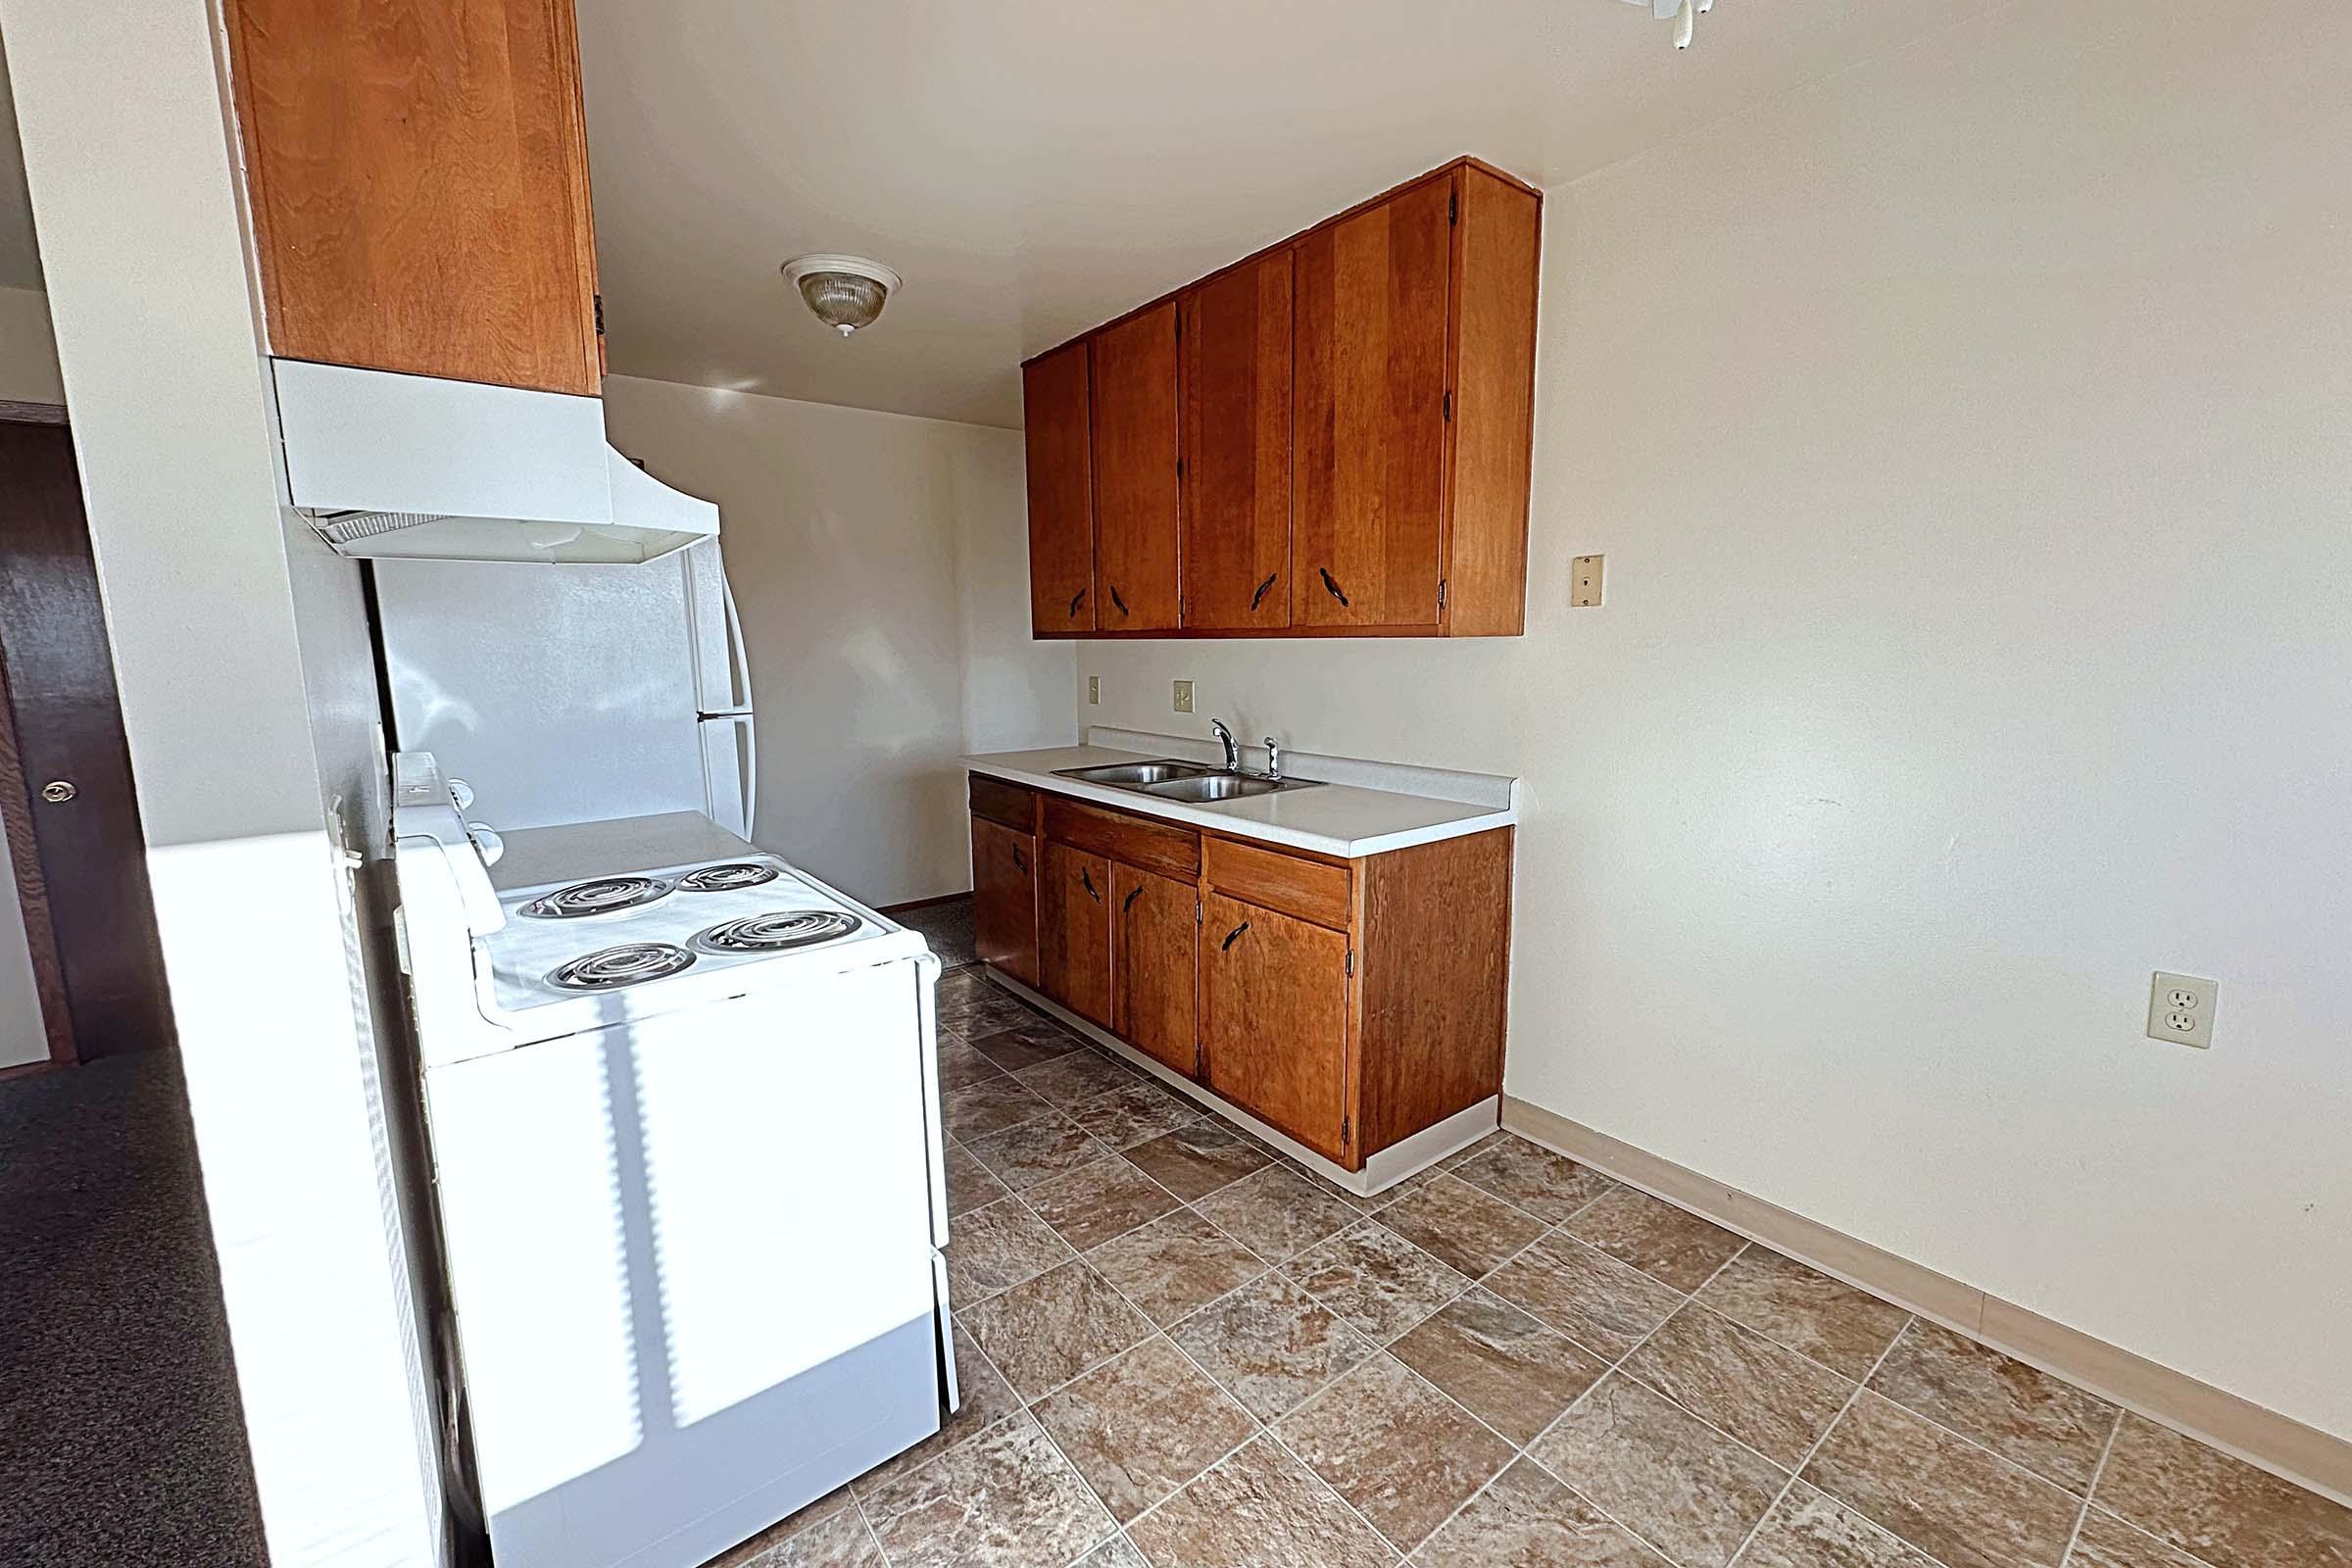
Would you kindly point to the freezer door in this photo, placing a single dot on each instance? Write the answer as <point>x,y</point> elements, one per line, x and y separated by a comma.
<point>561,694</point>
<point>722,673</point>
<point>730,771</point>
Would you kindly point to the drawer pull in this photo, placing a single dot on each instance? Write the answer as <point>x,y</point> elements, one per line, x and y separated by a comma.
<point>1261,589</point>
<point>1020,863</point>
<point>1076,599</point>
<point>1332,585</point>
<point>1132,893</point>
<point>1233,936</point>
<point>1087,877</point>
<point>1116,600</point>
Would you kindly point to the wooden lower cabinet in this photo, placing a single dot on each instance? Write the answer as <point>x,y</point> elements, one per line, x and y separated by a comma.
<point>1073,958</point>
<point>1005,899</point>
<point>1155,935</point>
<point>1274,1016</point>
<point>1348,1004</point>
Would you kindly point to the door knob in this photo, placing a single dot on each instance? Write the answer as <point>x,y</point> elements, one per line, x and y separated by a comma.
<point>58,791</point>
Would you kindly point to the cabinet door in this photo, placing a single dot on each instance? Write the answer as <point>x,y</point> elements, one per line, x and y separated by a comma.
<point>419,181</point>
<point>1062,489</point>
<point>1369,431</point>
<point>1074,937</point>
<point>1134,473</point>
<point>1235,348</point>
<point>1153,939</point>
<point>1275,991</point>
<point>1005,899</point>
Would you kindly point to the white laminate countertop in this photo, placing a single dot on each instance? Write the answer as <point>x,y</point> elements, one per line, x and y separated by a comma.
<point>1349,815</point>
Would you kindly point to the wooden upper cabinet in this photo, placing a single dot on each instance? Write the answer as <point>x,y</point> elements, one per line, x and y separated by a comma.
<point>1134,473</point>
<point>1073,959</point>
<point>1356,414</point>
<point>1057,432</point>
<point>1235,349</point>
<point>1274,999</point>
<point>1153,936</point>
<point>1370,421</point>
<point>419,175</point>
<point>1005,899</point>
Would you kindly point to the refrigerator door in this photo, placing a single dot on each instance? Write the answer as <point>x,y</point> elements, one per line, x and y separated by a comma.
<point>561,694</point>
<point>723,677</point>
<point>730,771</point>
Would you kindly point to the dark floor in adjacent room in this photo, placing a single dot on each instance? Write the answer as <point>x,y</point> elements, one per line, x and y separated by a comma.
<point>121,1442</point>
<point>947,925</point>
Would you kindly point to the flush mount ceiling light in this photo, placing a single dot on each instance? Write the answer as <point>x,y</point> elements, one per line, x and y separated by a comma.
<point>1683,11</point>
<point>845,292</point>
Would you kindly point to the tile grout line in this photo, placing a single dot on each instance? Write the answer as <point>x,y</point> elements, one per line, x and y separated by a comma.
<point>2091,1490</point>
<point>1796,1472</point>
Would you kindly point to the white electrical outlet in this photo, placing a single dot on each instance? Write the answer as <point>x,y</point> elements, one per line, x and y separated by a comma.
<point>2180,1009</point>
<point>1184,696</point>
<point>1094,690</point>
<point>1584,581</point>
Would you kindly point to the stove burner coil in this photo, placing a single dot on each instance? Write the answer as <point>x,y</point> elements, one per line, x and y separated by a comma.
<point>773,933</point>
<point>607,895</point>
<point>624,966</point>
<point>726,878</point>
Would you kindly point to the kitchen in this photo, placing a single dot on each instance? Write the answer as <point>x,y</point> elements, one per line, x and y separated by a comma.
<point>1642,856</point>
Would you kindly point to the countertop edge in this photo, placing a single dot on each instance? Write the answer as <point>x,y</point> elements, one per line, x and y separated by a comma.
<point>1480,820</point>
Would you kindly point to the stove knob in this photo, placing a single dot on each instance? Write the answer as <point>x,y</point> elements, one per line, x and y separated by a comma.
<point>58,791</point>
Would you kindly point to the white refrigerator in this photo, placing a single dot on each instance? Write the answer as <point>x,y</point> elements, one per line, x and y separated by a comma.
<point>575,693</point>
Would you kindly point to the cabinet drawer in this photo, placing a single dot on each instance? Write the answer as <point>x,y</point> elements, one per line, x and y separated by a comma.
<point>1312,889</point>
<point>1139,841</point>
<point>1000,802</point>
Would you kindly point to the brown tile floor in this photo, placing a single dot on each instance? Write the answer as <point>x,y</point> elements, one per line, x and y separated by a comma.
<point>1180,1351</point>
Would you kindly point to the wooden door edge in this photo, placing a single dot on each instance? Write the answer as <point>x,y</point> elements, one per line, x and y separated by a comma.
<point>32,893</point>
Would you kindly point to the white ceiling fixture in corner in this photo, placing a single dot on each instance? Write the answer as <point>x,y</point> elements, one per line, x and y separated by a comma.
<point>1684,13</point>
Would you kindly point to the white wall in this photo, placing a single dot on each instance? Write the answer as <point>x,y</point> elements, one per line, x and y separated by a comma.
<point>241,723</point>
<point>878,564</point>
<point>1971,441</point>
<point>27,350</point>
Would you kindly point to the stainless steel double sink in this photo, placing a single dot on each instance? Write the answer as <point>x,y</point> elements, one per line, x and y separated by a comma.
<point>1165,778</point>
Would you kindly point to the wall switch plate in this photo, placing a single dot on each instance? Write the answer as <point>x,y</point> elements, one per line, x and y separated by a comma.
<point>1094,690</point>
<point>1184,696</point>
<point>2180,1009</point>
<point>1583,581</point>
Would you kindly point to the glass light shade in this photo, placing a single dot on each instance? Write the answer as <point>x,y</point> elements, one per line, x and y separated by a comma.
<point>843,301</point>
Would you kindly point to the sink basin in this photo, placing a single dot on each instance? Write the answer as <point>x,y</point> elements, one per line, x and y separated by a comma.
<point>1136,775</point>
<point>1224,787</point>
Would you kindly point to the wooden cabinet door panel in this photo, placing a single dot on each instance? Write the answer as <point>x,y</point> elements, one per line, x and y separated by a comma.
<point>1235,349</point>
<point>1057,432</point>
<point>1074,933</point>
<point>419,181</point>
<point>1005,899</point>
<point>1368,436</point>
<point>1134,473</point>
<point>1153,939</point>
<point>1275,992</point>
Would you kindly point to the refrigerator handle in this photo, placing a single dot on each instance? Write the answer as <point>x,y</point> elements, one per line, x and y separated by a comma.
<point>738,660</point>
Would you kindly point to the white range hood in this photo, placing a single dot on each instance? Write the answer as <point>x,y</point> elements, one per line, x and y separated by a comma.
<point>413,466</point>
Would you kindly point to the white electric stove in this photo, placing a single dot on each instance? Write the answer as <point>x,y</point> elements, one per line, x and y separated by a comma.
<point>684,1126</point>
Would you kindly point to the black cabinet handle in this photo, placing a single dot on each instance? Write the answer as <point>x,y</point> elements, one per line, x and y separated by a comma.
<point>1262,587</point>
<point>1233,936</point>
<point>1132,893</point>
<point>1116,600</point>
<point>1087,877</point>
<point>1332,586</point>
<point>1020,863</point>
<point>1076,599</point>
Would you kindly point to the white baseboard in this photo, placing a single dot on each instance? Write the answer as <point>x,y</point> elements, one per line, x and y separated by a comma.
<point>2279,1444</point>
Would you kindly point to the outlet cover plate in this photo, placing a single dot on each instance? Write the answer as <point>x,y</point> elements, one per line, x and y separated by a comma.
<point>1584,581</point>
<point>1184,696</point>
<point>2180,1009</point>
<point>1094,690</point>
